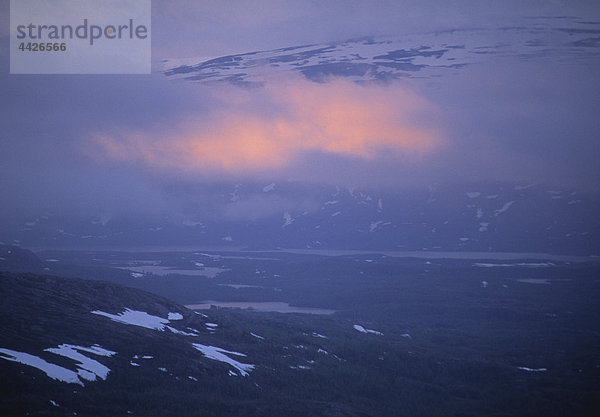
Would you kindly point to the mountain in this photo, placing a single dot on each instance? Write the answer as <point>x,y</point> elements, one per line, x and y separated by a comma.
<point>419,55</point>
<point>16,259</point>
<point>409,337</point>
<point>477,217</point>
<point>90,348</point>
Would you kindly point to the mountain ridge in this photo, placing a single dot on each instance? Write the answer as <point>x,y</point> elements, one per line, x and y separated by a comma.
<point>417,55</point>
<point>270,215</point>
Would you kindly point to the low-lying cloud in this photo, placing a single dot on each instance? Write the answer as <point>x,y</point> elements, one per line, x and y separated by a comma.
<point>268,129</point>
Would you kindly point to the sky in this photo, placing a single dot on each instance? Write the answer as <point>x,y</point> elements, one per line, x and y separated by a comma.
<point>77,143</point>
<point>222,28</point>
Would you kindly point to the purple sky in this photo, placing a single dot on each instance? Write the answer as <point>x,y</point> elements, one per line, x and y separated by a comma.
<point>215,28</point>
<point>505,120</point>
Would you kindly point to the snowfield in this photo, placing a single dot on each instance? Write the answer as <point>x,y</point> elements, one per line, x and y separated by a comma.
<point>136,318</point>
<point>87,369</point>
<point>143,319</point>
<point>53,371</point>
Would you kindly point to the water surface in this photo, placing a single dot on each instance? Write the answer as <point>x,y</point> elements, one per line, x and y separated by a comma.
<point>270,306</point>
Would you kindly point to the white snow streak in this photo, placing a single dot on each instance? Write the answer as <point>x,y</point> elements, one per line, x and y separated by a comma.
<point>361,329</point>
<point>503,209</point>
<point>143,319</point>
<point>219,354</point>
<point>524,368</point>
<point>53,371</point>
<point>87,369</point>
<point>136,318</point>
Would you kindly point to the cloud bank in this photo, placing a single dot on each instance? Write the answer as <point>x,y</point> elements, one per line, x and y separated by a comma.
<point>261,130</point>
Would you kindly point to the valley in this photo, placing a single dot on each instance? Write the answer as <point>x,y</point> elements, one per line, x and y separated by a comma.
<point>408,335</point>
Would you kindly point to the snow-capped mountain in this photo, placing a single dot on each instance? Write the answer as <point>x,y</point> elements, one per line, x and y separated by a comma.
<point>421,55</point>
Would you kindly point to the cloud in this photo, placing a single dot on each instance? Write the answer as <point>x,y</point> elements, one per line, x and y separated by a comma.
<point>268,129</point>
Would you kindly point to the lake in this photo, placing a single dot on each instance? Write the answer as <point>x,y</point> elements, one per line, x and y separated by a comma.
<point>269,306</point>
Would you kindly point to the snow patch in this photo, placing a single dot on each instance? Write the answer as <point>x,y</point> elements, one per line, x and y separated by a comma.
<point>503,209</point>
<point>288,219</point>
<point>87,369</point>
<point>136,318</point>
<point>374,225</point>
<point>220,354</point>
<point>361,329</point>
<point>299,367</point>
<point>269,187</point>
<point>181,332</point>
<point>143,319</point>
<point>473,194</point>
<point>174,316</point>
<point>523,187</point>
<point>53,371</point>
<point>525,368</point>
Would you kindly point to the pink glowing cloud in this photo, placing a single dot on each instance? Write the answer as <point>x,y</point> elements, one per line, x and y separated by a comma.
<point>268,128</point>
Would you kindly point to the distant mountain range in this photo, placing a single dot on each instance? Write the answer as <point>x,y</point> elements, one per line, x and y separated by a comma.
<point>421,55</point>
<point>468,217</point>
<point>485,217</point>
